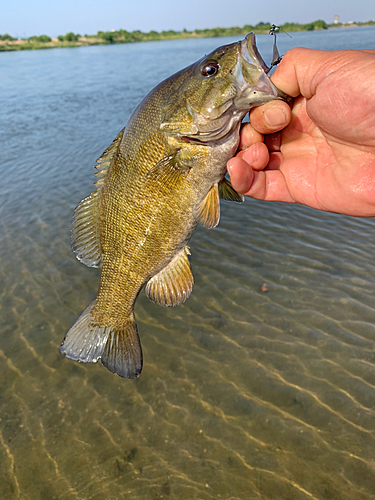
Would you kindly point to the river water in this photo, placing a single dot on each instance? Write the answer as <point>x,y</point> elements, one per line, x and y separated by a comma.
<point>244,395</point>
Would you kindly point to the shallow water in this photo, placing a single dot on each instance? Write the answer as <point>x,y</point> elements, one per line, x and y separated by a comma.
<point>244,394</point>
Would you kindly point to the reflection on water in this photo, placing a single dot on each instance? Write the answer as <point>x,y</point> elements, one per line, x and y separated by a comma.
<point>244,394</point>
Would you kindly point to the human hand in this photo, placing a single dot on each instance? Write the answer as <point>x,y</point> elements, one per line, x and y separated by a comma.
<point>325,157</point>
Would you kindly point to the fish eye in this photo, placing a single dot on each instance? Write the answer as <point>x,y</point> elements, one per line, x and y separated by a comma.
<point>210,68</point>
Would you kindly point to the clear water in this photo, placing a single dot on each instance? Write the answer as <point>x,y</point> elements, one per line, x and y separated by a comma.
<point>244,395</point>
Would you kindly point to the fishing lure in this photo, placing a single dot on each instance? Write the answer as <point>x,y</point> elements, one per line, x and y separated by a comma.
<point>276,58</point>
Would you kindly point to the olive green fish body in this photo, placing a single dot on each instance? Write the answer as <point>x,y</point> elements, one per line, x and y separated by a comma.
<point>162,175</point>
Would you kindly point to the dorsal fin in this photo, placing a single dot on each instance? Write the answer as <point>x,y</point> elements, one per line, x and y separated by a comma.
<point>173,284</point>
<point>85,236</point>
<point>208,213</point>
<point>105,161</point>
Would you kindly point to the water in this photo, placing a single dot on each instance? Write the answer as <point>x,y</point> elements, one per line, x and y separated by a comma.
<point>244,395</point>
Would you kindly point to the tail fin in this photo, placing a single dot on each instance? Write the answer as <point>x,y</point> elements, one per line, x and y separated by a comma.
<point>122,353</point>
<point>119,349</point>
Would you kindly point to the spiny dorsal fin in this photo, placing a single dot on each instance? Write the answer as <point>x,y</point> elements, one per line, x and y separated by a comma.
<point>208,213</point>
<point>105,161</point>
<point>85,236</point>
<point>173,284</point>
<point>228,193</point>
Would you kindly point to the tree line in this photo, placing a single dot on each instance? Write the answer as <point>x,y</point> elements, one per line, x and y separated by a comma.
<point>124,36</point>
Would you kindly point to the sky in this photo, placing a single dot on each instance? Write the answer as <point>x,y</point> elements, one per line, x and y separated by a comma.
<point>24,18</point>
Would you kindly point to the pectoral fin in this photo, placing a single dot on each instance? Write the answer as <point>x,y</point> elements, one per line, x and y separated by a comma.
<point>228,193</point>
<point>208,213</point>
<point>168,172</point>
<point>172,285</point>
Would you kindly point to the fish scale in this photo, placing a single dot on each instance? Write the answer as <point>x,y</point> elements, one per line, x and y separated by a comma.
<point>160,178</point>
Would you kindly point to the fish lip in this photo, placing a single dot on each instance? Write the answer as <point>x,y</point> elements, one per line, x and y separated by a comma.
<point>248,47</point>
<point>250,53</point>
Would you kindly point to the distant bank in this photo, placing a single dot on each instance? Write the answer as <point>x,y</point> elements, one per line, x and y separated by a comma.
<point>7,42</point>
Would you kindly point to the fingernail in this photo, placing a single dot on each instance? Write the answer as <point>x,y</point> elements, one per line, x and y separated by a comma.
<point>274,117</point>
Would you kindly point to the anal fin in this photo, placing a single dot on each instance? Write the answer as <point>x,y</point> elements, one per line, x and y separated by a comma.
<point>173,284</point>
<point>208,213</point>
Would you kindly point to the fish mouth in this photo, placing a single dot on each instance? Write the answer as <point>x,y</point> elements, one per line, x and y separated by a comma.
<point>250,59</point>
<point>250,52</point>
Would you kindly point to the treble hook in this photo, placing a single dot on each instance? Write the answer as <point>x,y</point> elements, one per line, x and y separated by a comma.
<point>276,58</point>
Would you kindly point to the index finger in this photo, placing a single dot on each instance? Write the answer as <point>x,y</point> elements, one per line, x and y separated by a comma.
<point>271,117</point>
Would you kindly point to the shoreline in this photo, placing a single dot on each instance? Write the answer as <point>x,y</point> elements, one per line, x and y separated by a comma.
<point>107,39</point>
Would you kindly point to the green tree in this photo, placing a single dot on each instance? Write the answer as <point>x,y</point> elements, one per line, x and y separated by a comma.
<point>107,36</point>
<point>44,39</point>
<point>71,37</point>
<point>320,24</point>
<point>7,37</point>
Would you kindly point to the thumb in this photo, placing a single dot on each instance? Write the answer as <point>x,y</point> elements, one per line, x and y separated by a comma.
<point>301,70</point>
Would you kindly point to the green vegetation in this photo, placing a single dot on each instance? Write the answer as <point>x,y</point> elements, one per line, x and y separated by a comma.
<point>122,36</point>
<point>7,38</point>
<point>39,39</point>
<point>69,37</point>
<point>354,23</point>
<point>316,25</point>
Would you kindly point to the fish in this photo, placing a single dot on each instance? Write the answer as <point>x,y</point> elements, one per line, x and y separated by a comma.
<point>162,175</point>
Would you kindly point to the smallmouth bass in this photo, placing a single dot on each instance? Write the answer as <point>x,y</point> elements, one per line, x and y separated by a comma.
<point>161,177</point>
